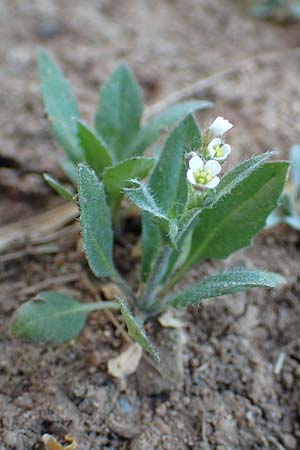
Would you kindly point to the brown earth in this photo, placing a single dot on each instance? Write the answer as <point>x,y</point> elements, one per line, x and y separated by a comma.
<point>216,387</point>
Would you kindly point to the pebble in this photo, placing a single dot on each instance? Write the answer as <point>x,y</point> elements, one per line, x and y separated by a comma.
<point>49,28</point>
<point>288,380</point>
<point>289,441</point>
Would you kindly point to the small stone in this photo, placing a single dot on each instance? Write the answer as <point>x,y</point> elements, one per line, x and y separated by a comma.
<point>11,439</point>
<point>49,28</point>
<point>289,441</point>
<point>161,410</point>
<point>288,380</point>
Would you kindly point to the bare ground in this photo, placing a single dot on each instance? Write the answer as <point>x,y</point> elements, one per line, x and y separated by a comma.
<point>216,388</point>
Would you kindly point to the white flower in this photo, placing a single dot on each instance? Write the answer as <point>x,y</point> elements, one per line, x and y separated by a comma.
<point>203,175</point>
<point>217,150</point>
<point>220,126</point>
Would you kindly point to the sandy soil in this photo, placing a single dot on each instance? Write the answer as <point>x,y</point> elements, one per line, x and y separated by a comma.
<point>224,394</point>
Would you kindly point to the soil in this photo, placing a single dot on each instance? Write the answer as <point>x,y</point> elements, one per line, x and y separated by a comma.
<point>217,387</point>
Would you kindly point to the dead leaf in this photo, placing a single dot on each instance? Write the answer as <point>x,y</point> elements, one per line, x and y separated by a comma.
<point>127,362</point>
<point>110,291</point>
<point>52,444</point>
<point>167,320</point>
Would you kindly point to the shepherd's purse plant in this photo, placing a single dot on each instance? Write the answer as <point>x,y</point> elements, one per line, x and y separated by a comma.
<point>190,209</point>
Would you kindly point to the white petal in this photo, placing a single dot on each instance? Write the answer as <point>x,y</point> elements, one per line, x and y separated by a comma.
<point>220,126</point>
<point>190,177</point>
<point>214,143</point>
<point>213,166</point>
<point>213,183</point>
<point>226,150</point>
<point>196,163</point>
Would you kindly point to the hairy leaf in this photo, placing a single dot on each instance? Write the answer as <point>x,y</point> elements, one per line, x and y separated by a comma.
<point>151,242</point>
<point>119,112</point>
<point>233,178</point>
<point>96,153</point>
<point>95,223</point>
<point>168,179</point>
<point>53,316</point>
<point>235,220</point>
<point>118,177</point>
<point>225,283</point>
<point>59,188</point>
<point>136,330</point>
<point>163,121</point>
<point>60,104</point>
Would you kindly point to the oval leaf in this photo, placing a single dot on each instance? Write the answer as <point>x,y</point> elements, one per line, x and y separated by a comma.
<point>53,316</point>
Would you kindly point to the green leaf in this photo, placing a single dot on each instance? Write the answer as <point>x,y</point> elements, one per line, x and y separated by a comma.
<point>60,105</point>
<point>168,179</point>
<point>142,197</point>
<point>96,153</point>
<point>235,220</point>
<point>59,188</point>
<point>53,316</point>
<point>225,283</point>
<point>95,223</point>
<point>119,112</point>
<point>118,177</point>
<point>211,198</point>
<point>295,168</point>
<point>151,242</point>
<point>233,178</point>
<point>163,121</point>
<point>136,330</point>
<point>70,170</point>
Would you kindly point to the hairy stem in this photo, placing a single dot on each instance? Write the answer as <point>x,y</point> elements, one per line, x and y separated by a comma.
<point>126,290</point>
<point>152,284</point>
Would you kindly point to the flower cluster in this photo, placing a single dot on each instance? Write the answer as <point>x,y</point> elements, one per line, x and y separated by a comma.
<point>204,169</point>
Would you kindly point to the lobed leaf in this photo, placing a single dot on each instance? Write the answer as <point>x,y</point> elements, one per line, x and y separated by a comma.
<point>225,283</point>
<point>59,188</point>
<point>96,153</point>
<point>119,112</point>
<point>95,223</point>
<point>136,330</point>
<point>60,105</point>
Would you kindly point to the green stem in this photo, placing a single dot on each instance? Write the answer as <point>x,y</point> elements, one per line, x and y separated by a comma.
<point>126,290</point>
<point>89,307</point>
<point>177,277</point>
<point>157,271</point>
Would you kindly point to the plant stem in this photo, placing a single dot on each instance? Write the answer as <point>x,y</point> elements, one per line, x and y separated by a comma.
<point>126,290</point>
<point>89,307</point>
<point>177,276</point>
<point>151,287</point>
